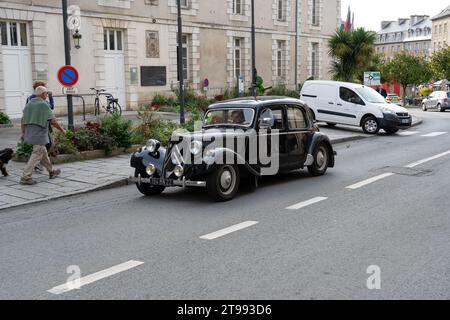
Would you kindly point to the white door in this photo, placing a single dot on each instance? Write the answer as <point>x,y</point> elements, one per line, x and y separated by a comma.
<point>115,65</point>
<point>16,61</point>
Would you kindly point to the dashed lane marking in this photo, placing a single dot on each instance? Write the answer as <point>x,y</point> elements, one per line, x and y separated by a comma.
<point>304,204</point>
<point>418,163</point>
<point>369,181</point>
<point>224,232</point>
<point>434,134</point>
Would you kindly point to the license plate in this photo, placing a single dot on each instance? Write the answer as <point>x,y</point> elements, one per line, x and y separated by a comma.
<point>161,182</point>
<point>405,120</point>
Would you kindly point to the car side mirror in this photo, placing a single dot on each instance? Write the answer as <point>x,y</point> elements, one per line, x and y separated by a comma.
<point>266,123</point>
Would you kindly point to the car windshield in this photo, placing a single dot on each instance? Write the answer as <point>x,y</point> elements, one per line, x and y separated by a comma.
<point>370,95</point>
<point>229,117</point>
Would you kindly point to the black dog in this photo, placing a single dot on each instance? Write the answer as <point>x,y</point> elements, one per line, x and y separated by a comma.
<point>5,156</point>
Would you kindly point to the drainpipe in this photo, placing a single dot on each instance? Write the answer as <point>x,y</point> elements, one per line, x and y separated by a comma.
<point>68,62</point>
<point>296,44</point>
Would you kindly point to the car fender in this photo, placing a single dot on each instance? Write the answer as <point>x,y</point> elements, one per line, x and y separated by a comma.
<point>318,138</point>
<point>141,159</point>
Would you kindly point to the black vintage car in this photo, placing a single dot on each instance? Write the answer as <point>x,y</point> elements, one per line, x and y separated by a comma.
<point>240,140</point>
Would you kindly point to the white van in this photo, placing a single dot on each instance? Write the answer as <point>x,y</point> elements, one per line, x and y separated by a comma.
<point>354,104</point>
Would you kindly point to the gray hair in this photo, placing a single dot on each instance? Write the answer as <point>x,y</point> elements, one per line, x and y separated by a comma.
<point>40,91</point>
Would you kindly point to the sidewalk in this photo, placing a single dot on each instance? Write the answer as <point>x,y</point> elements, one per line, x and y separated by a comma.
<point>88,176</point>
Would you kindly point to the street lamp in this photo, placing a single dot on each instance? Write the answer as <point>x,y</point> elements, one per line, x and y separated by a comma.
<point>76,39</point>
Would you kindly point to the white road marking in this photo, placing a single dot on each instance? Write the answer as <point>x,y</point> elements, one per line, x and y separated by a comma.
<point>408,133</point>
<point>418,163</point>
<point>228,230</point>
<point>434,134</point>
<point>306,203</point>
<point>369,181</point>
<point>95,277</point>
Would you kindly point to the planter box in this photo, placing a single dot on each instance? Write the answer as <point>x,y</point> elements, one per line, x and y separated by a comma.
<point>85,155</point>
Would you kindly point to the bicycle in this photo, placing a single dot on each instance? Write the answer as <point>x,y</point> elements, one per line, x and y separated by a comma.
<point>112,105</point>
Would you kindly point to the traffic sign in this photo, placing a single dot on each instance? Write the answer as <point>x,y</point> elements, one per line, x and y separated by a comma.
<point>70,90</point>
<point>68,76</point>
<point>372,78</point>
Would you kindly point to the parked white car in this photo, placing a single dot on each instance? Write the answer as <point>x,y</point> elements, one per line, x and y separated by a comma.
<point>353,104</point>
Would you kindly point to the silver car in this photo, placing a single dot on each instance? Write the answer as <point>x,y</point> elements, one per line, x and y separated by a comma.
<point>439,100</point>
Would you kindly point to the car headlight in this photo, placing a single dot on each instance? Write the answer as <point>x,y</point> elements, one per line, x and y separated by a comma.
<point>153,145</point>
<point>179,170</point>
<point>196,147</point>
<point>388,111</point>
<point>150,169</point>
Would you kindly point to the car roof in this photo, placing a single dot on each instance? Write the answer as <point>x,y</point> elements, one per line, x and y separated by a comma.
<point>350,85</point>
<point>258,102</point>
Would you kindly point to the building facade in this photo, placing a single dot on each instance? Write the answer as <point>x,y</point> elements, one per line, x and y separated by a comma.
<point>412,35</point>
<point>441,30</point>
<point>129,47</point>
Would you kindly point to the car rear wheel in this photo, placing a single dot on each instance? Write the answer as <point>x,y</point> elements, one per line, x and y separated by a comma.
<point>370,125</point>
<point>321,161</point>
<point>223,183</point>
<point>439,108</point>
<point>424,107</point>
<point>147,189</point>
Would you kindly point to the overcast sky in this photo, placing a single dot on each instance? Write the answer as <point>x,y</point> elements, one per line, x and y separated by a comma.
<point>370,13</point>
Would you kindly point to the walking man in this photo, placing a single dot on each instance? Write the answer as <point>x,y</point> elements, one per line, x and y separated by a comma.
<point>34,130</point>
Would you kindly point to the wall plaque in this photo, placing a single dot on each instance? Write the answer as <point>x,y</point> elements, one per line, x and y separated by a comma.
<point>153,76</point>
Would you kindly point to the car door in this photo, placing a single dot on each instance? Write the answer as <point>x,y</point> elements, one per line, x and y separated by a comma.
<point>276,133</point>
<point>297,137</point>
<point>350,104</point>
<point>434,100</point>
<point>322,98</point>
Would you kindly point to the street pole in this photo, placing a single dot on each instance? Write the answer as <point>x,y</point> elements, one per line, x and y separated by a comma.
<point>180,63</point>
<point>68,62</point>
<point>296,46</point>
<point>253,51</point>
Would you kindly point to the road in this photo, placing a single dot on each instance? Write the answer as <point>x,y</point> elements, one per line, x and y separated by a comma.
<point>166,247</point>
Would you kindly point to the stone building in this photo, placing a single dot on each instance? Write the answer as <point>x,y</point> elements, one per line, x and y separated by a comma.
<point>129,47</point>
<point>441,30</point>
<point>409,34</point>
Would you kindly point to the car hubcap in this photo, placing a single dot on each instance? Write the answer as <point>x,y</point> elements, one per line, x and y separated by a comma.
<point>227,180</point>
<point>321,158</point>
<point>371,126</point>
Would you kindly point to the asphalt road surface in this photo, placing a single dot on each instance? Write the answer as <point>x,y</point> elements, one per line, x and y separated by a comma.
<point>385,207</point>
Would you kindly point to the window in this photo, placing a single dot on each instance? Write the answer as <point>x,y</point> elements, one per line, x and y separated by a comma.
<point>314,60</point>
<point>315,13</point>
<point>185,56</point>
<point>237,57</point>
<point>275,116</point>
<point>296,118</point>
<point>112,40</point>
<point>14,34</point>
<point>184,3</point>
<point>350,96</point>
<point>238,7</point>
<point>280,58</point>
<point>281,10</point>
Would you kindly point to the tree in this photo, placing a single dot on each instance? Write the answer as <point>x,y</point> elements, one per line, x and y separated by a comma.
<point>406,70</point>
<point>351,53</point>
<point>440,64</point>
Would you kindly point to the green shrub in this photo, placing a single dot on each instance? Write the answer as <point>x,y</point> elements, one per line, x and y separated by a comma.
<point>24,150</point>
<point>118,130</point>
<point>282,91</point>
<point>87,140</point>
<point>64,143</point>
<point>4,119</point>
<point>159,99</point>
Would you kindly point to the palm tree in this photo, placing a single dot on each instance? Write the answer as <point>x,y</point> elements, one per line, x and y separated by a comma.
<point>351,52</point>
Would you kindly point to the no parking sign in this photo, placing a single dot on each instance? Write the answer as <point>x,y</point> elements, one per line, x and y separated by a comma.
<point>68,76</point>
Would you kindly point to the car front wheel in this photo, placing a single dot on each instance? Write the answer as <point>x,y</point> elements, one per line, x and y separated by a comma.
<point>148,189</point>
<point>424,107</point>
<point>223,183</point>
<point>370,125</point>
<point>321,160</point>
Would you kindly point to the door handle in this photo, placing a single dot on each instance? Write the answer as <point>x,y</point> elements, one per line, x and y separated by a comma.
<point>340,105</point>
<point>330,102</point>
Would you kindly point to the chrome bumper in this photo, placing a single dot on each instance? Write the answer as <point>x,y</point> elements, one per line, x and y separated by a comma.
<point>169,182</point>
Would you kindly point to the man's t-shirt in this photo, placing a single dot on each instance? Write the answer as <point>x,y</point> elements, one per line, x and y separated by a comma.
<point>36,135</point>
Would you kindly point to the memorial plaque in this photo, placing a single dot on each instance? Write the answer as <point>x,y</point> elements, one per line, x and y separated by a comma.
<point>153,76</point>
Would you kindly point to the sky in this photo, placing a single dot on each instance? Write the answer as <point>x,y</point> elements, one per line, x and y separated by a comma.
<point>370,13</point>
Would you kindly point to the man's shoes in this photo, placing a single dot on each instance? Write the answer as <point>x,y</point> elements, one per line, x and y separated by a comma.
<point>28,182</point>
<point>55,173</point>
